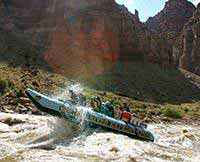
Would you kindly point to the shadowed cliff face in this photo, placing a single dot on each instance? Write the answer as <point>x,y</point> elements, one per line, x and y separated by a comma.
<point>71,36</point>
<point>23,29</point>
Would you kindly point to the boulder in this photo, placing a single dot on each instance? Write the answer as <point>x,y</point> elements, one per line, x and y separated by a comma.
<point>11,121</point>
<point>114,149</point>
<point>24,100</point>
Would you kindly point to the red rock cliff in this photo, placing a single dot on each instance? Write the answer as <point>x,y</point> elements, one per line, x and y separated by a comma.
<point>72,36</point>
<point>187,48</point>
<point>87,37</point>
<point>165,28</point>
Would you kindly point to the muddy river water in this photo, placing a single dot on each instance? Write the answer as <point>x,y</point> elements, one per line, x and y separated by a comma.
<point>49,139</point>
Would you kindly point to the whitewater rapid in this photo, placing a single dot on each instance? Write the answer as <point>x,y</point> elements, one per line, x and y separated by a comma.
<point>49,139</point>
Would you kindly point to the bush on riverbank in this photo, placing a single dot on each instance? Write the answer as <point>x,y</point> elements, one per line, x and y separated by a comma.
<point>5,85</point>
<point>19,93</point>
<point>172,112</point>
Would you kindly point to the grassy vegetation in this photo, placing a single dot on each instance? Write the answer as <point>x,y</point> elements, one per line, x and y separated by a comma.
<point>19,93</point>
<point>172,111</point>
<point>5,85</point>
<point>16,80</point>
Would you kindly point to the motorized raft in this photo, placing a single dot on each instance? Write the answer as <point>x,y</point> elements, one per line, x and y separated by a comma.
<point>72,113</point>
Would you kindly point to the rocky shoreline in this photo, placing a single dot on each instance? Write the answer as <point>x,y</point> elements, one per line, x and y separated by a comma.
<point>21,105</point>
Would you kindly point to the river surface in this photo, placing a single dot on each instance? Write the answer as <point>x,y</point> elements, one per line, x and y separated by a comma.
<point>49,139</point>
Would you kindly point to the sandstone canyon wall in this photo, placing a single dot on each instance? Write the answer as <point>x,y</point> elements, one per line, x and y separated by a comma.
<point>187,49</point>
<point>165,27</point>
<point>74,37</point>
<point>88,37</point>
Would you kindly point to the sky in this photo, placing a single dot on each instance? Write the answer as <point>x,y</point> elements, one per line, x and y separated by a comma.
<point>146,8</point>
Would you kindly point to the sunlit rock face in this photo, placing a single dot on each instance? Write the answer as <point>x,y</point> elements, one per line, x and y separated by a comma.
<point>166,27</point>
<point>173,16</point>
<point>88,37</point>
<point>74,37</point>
<point>85,39</point>
<point>188,45</point>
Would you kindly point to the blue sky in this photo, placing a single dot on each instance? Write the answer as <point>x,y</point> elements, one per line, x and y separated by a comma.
<point>146,8</point>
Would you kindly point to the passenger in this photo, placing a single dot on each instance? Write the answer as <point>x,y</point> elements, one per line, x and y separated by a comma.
<point>126,116</point>
<point>99,103</point>
<point>135,120</point>
<point>96,103</point>
<point>82,100</point>
<point>103,110</point>
<point>125,107</point>
<point>92,102</point>
<point>73,97</point>
<point>109,109</point>
<point>119,112</point>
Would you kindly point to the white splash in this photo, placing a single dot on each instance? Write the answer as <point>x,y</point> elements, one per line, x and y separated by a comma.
<point>64,95</point>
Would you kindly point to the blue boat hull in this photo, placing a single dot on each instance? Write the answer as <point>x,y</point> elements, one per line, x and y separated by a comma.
<point>77,115</point>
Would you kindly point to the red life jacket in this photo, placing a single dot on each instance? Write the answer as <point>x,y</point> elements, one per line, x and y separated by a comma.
<point>126,116</point>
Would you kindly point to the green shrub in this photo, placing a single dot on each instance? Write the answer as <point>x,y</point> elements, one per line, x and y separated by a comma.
<point>172,112</point>
<point>5,85</point>
<point>18,93</point>
<point>10,84</point>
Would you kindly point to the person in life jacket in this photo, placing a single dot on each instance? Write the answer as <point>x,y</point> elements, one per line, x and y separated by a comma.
<point>109,110</point>
<point>125,107</point>
<point>96,103</point>
<point>82,100</point>
<point>119,112</point>
<point>73,97</point>
<point>135,120</point>
<point>126,116</point>
<point>125,113</point>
